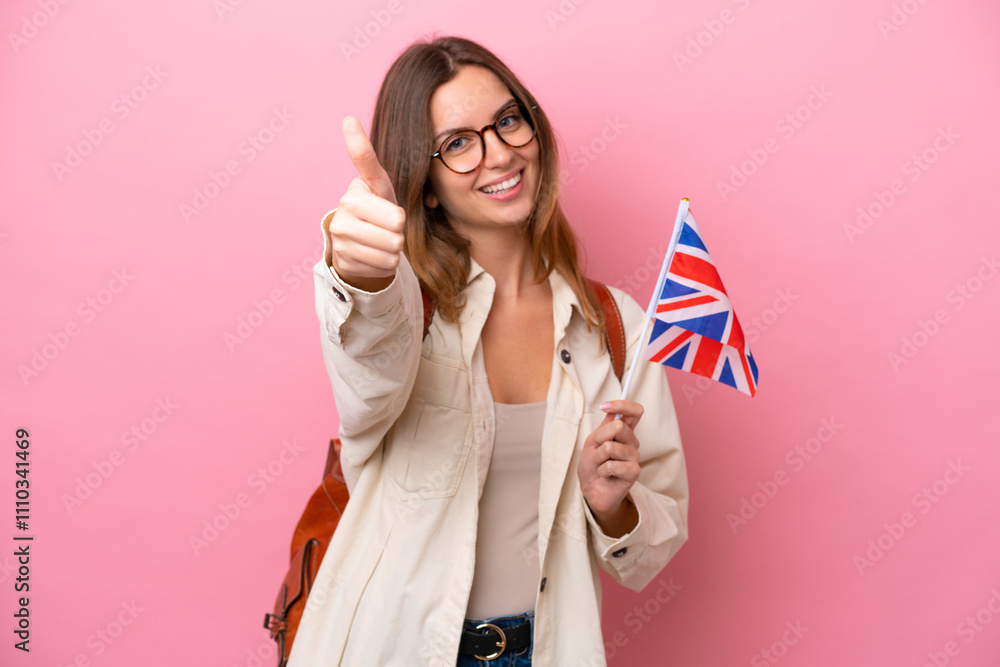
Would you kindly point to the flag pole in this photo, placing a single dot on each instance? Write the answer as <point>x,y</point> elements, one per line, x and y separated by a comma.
<point>682,211</point>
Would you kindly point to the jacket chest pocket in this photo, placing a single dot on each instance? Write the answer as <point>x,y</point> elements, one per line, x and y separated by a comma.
<point>432,438</point>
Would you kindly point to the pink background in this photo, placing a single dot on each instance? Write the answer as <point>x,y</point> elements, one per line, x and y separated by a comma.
<point>832,302</point>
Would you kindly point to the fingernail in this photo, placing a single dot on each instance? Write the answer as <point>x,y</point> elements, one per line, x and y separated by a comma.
<point>605,406</point>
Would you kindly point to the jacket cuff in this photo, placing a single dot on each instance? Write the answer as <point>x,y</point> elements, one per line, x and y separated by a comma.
<point>621,553</point>
<point>634,558</point>
<point>342,298</point>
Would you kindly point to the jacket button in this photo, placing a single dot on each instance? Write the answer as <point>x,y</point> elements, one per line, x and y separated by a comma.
<point>542,588</point>
<point>620,552</point>
<point>565,356</point>
<point>340,295</point>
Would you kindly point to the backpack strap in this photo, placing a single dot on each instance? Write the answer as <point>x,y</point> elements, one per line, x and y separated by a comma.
<point>428,309</point>
<point>614,328</point>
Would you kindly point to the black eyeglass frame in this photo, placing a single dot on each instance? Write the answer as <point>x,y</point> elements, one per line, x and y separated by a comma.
<point>482,135</point>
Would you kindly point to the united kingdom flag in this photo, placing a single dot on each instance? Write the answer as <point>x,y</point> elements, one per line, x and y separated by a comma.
<point>695,327</point>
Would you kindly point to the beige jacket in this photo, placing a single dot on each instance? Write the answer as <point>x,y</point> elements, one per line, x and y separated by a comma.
<point>417,424</point>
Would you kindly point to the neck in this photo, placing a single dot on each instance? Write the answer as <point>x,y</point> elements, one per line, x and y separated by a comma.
<point>506,255</point>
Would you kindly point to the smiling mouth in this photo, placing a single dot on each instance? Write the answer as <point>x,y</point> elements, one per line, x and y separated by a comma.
<point>500,188</point>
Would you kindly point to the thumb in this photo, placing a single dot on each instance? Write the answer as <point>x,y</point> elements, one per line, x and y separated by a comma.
<point>362,154</point>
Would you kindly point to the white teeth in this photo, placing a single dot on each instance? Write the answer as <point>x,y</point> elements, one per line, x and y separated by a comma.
<point>506,185</point>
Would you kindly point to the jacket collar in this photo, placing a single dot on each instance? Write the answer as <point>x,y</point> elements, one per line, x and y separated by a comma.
<point>564,299</point>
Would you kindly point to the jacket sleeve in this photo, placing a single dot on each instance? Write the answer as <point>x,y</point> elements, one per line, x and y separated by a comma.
<point>661,492</point>
<point>371,346</point>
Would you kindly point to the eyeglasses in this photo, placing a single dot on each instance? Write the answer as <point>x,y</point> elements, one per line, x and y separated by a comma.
<point>463,152</point>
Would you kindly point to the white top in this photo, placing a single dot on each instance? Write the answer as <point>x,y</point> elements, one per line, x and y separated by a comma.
<point>506,575</point>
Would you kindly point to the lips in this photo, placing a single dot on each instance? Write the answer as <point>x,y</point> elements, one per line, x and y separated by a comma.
<point>502,185</point>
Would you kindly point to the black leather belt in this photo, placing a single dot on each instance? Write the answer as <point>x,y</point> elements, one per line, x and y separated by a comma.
<point>487,641</point>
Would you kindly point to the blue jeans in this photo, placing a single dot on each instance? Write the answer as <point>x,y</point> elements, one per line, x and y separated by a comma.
<point>520,658</point>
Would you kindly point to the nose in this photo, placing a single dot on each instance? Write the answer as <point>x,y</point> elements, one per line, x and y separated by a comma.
<point>498,154</point>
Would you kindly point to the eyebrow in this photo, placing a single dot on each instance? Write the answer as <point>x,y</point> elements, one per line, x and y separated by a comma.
<point>446,133</point>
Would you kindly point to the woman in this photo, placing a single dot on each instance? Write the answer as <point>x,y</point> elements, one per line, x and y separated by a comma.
<point>489,477</point>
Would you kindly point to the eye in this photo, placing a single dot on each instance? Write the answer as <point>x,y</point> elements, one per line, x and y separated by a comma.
<point>509,120</point>
<point>456,143</point>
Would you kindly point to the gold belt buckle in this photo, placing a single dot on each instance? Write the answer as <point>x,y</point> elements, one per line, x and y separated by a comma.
<point>501,645</point>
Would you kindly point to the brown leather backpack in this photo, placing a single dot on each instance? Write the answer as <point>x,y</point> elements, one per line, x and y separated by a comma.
<point>323,511</point>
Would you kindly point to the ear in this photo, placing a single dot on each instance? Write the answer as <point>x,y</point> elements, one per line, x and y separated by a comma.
<point>430,199</point>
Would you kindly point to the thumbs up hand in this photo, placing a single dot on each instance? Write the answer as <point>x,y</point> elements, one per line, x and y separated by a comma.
<point>366,232</point>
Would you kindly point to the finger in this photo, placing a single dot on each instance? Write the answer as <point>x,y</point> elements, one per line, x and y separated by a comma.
<point>363,261</point>
<point>350,269</point>
<point>362,154</point>
<point>366,235</point>
<point>630,411</point>
<point>625,470</point>
<point>616,451</point>
<point>615,430</point>
<point>365,205</point>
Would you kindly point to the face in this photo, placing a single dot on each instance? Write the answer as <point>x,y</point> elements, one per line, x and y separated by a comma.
<point>502,191</point>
